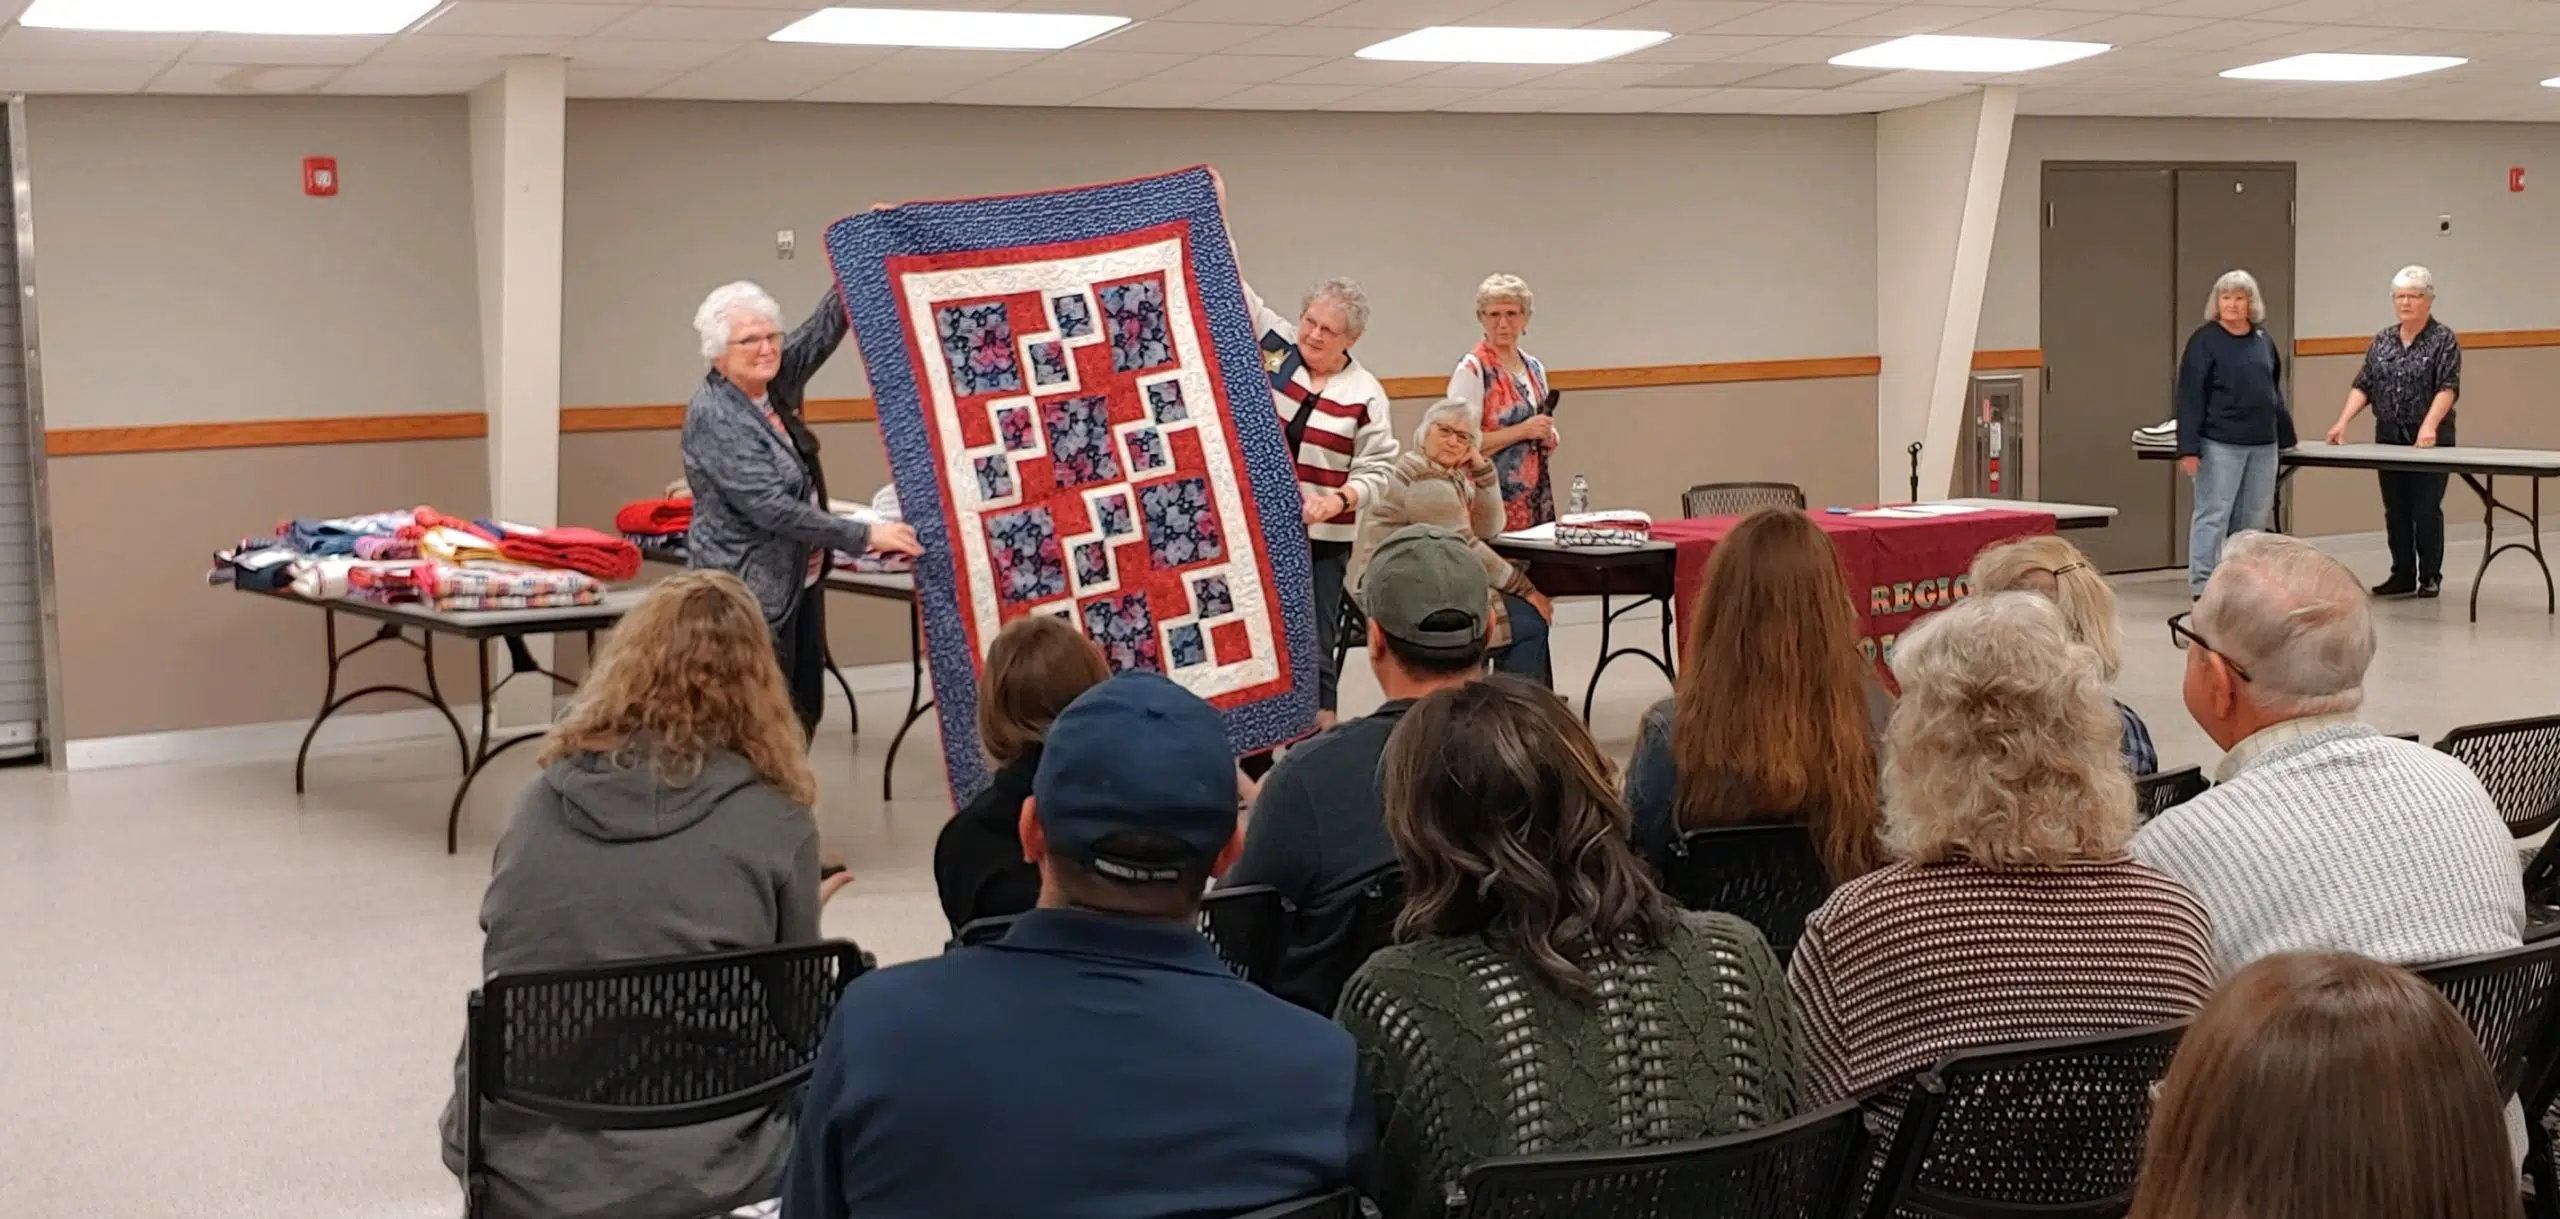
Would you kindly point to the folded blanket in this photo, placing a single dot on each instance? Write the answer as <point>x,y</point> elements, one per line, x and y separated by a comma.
<point>337,535</point>
<point>654,517</point>
<point>372,547</point>
<point>456,545</point>
<point>505,586</point>
<point>601,555</point>
<point>1613,528</point>
<point>388,583</point>
<point>429,518</point>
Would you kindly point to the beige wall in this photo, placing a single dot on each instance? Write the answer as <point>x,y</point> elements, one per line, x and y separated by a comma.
<point>2367,194</point>
<point>187,278</point>
<point>1649,240</point>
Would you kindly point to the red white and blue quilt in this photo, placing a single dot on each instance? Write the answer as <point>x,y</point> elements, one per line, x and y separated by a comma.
<point>1075,408</point>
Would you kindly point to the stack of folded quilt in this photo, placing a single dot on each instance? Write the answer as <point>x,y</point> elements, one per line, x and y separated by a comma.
<point>422,556</point>
<point>1616,528</point>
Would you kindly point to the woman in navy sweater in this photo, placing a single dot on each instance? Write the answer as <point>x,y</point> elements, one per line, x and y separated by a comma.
<point>2232,421</point>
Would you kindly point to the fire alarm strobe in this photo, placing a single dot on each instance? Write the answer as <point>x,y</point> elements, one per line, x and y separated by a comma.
<point>320,176</point>
<point>2515,180</point>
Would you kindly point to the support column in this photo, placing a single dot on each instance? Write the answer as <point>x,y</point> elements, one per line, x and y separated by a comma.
<point>1939,171</point>
<point>518,139</point>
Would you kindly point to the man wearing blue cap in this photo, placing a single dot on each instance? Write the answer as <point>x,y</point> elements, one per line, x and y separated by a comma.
<point>1100,1060</point>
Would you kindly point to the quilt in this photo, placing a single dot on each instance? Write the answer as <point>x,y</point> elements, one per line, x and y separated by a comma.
<point>1075,410</point>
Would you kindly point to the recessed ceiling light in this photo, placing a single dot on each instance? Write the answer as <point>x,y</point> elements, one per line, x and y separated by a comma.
<point>1959,53</point>
<point>309,17</point>
<point>2553,83</point>
<point>1510,44</point>
<point>2333,66</point>
<point>946,29</point>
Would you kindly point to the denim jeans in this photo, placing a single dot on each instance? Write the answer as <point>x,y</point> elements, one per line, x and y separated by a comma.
<point>1527,654</point>
<point>2235,492</point>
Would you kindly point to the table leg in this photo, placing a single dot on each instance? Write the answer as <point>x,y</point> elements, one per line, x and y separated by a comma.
<point>852,709</point>
<point>2486,487</point>
<point>331,700</point>
<point>1591,690</point>
<point>917,704</point>
<point>520,663</point>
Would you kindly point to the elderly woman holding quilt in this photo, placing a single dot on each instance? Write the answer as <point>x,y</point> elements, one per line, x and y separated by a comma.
<point>1448,481</point>
<point>1509,387</point>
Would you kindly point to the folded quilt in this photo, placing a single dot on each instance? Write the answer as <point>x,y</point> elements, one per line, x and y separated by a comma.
<point>585,551</point>
<point>504,586</point>
<point>371,547</point>
<point>870,563</point>
<point>337,536</point>
<point>1612,528</point>
<point>654,517</point>
<point>456,545</point>
<point>387,583</point>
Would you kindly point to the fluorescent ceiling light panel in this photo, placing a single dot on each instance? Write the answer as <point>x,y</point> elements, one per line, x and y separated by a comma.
<point>2553,83</point>
<point>1959,53</point>
<point>280,17</point>
<point>2333,66</point>
<point>947,29</point>
<point>1510,44</point>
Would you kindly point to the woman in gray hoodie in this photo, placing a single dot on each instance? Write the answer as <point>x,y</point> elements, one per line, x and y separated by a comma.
<point>671,816</point>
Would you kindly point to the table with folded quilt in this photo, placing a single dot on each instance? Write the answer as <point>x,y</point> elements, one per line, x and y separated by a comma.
<point>415,574</point>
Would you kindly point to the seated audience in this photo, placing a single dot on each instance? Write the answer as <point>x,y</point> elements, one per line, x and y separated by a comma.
<point>2320,833</point>
<point>2011,912</point>
<point>2055,569</point>
<point>1545,996</point>
<point>671,817</point>
<point>1318,831</point>
<point>1445,481</point>
<point>1035,667</point>
<point>1099,1060</point>
<point>2327,1087</point>
<point>1776,714</point>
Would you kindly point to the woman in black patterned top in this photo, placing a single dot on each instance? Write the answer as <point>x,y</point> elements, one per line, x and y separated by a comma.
<point>2412,373</point>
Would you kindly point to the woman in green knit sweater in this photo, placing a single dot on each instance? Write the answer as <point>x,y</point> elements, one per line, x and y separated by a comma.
<point>1544,995</point>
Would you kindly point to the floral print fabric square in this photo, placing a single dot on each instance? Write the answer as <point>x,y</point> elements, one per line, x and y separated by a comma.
<point>1164,401</point>
<point>1080,441</point>
<point>1210,597</point>
<point>1187,646</point>
<point>1093,565</point>
<point>1134,312</point>
<point>995,478</point>
<point>1073,315</point>
<point>1124,630</point>
<point>1111,515</point>
<point>977,341</point>
<point>1048,363</point>
<point>1015,428</point>
<point>1182,526</point>
<point>1023,546</point>
<point>1146,451</point>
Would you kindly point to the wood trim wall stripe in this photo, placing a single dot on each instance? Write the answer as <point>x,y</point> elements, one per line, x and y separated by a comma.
<point>2473,340</point>
<point>668,417</point>
<point>1648,376</point>
<point>263,433</point>
<point>2009,360</point>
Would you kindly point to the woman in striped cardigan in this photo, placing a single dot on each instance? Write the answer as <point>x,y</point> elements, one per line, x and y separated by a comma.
<point>2012,911</point>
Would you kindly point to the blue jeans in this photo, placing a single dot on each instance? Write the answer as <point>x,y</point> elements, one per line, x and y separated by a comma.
<point>1527,653</point>
<point>2235,492</point>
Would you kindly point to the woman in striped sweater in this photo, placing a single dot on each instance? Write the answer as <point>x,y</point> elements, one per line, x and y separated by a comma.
<point>2012,912</point>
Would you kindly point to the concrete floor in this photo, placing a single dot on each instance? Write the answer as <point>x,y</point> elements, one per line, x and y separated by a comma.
<point>219,1000</point>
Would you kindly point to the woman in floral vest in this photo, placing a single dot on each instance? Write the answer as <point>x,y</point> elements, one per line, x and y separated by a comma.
<point>1509,387</point>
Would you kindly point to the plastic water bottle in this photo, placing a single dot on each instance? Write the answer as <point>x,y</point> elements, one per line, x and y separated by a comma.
<point>1579,500</point>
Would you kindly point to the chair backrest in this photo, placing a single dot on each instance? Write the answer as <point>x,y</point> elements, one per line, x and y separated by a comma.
<point>1249,926</point>
<point>1769,875</point>
<point>2510,999</point>
<point>1342,1203</point>
<point>1804,1168</point>
<point>668,1041</point>
<point>2519,762</point>
<point>2157,794</point>
<point>1735,499</point>
<point>981,931</point>
<point>1373,920</point>
<point>2050,1129</point>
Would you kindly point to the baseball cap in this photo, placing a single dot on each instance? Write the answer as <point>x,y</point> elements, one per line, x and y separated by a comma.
<point>1137,754</point>
<point>1426,586</point>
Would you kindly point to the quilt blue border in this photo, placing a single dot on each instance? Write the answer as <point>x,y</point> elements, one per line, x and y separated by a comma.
<point>859,248</point>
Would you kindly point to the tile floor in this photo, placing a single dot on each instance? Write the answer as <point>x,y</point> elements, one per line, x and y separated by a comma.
<point>218,1000</point>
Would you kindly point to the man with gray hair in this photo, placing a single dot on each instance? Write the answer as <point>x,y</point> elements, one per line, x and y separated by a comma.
<point>2322,834</point>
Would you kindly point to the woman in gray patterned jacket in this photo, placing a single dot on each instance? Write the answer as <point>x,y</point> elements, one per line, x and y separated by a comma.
<point>759,492</point>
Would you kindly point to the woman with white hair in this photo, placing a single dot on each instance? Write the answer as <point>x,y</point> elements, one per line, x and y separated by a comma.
<point>1508,387</point>
<point>1448,481</point>
<point>2012,911</point>
<point>2412,373</point>
<point>759,491</point>
<point>2232,421</point>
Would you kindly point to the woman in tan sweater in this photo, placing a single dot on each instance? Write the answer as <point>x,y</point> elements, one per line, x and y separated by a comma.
<point>1445,481</point>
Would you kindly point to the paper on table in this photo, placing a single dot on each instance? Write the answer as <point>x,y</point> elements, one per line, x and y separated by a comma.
<point>1920,512</point>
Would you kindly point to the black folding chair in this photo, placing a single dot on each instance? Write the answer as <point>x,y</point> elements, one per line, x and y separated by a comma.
<point>2519,762</point>
<point>649,1044</point>
<point>981,931</point>
<point>1769,875</point>
<point>2158,793</point>
<point>1249,926</point>
<point>1803,1168</point>
<point>1340,1204</point>
<point>2048,1130</point>
<point>1737,499</point>
<point>1373,922</point>
<point>1350,630</point>
<point>2510,998</point>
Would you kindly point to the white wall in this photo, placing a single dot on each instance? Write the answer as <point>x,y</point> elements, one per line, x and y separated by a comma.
<point>2368,195</point>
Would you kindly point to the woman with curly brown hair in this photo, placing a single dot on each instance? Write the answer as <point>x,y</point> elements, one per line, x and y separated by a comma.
<point>2327,1086</point>
<point>1535,947</point>
<point>1777,712</point>
<point>671,816</point>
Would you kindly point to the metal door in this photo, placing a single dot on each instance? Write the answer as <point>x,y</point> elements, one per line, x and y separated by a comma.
<point>22,672</point>
<point>2110,354</point>
<point>2236,220</point>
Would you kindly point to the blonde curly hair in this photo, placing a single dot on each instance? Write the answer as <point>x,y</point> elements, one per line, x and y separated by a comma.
<point>2004,750</point>
<point>690,670</point>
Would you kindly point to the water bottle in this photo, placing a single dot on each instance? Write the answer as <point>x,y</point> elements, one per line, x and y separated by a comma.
<point>1579,500</point>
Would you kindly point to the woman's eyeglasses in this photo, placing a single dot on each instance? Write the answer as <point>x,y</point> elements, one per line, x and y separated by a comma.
<point>2181,636</point>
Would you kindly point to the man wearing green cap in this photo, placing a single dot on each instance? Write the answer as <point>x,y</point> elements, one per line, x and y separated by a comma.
<point>1318,831</point>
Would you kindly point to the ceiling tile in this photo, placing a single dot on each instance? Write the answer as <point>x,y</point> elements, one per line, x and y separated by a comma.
<point>1561,13</point>
<point>488,18</point>
<point>19,42</point>
<point>736,76</point>
<point>1615,101</point>
<point>2125,29</point>
<point>1699,48</point>
<point>241,48</point>
<point>1339,40</point>
<point>1907,19</point>
<point>1523,101</point>
<point>1404,97</point>
<point>1811,76</point>
<point>822,63</point>
<point>1791,19</point>
<point>377,77</point>
<point>1023,91</point>
<point>1818,48</point>
<point>1406,14</point>
<point>1685,16</point>
<point>1732,101</point>
<point>1267,12</point>
<point>75,75</point>
<point>1239,70</point>
<point>1287,97</point>
<point>1181,37</point>
<point>199,78</point>
<point>958,67</point>
<point>1161,94</point>
<point>1704,76</point>
<point>1100,68</point>
<point>472,49</point>
<point>1368,72</point>
<point>1615,74</point>
<point>1485,75</point>
<point>715,24</point>
<point>623,54</point>
<point>2026,23</point>
<point>873,87</point>
<point>586,80</point>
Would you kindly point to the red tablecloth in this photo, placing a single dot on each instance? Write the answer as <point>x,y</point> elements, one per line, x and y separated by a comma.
<point>1899,570</point>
